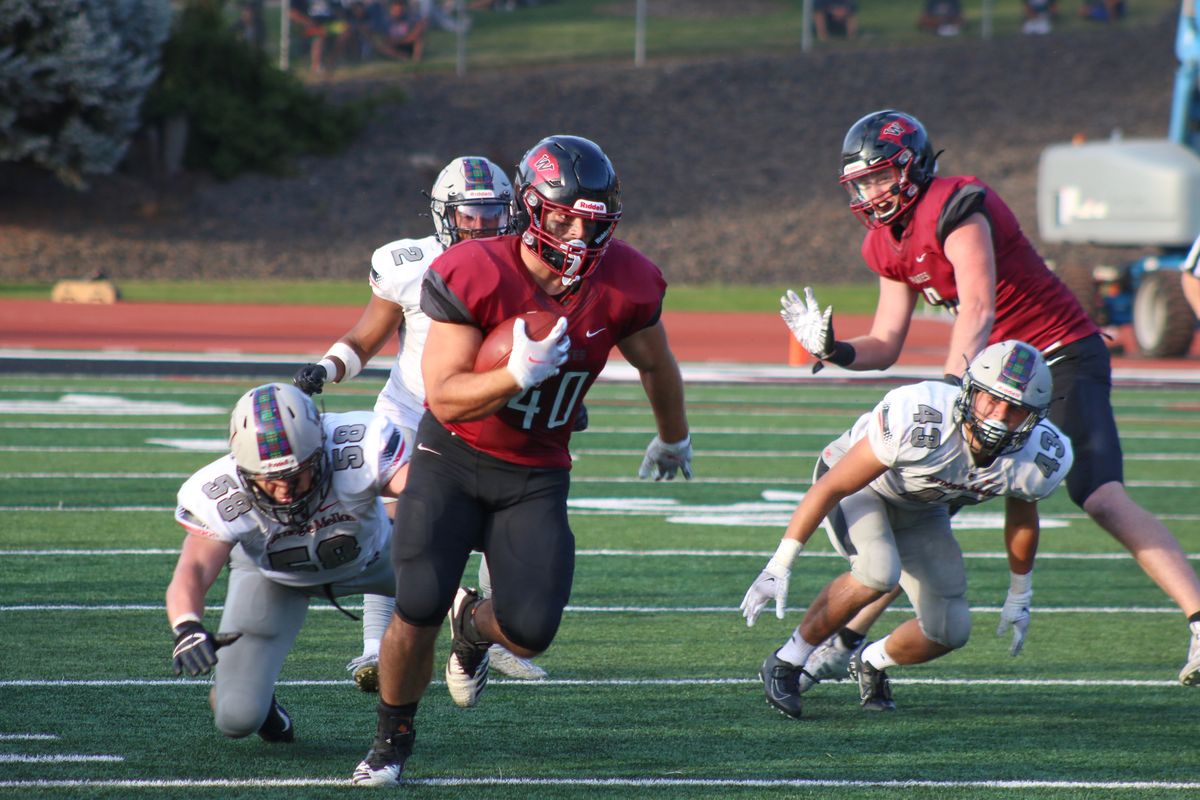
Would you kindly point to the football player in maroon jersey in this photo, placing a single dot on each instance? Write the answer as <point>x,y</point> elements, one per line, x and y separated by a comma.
<point>955,242</point>
<point>491,467</point>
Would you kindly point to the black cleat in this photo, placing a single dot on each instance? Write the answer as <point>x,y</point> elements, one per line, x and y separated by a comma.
<point>780,681</point>
<point>874,688</point>
<point>278,725</point>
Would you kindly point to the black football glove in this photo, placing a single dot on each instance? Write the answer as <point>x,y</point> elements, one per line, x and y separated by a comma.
<point>310,378</point>
<point>581,419</point>
<point>196,648</point>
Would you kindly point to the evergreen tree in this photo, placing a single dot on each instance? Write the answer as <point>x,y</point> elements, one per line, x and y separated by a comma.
<point>73,74</point>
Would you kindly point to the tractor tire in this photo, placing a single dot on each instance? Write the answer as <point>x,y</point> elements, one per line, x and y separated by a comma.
<point>1082,283</point>
<point>1163,321</point>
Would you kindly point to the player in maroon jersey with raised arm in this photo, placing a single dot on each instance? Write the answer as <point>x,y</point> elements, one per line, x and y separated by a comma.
<point>954,241</point>
<point>491,470</point>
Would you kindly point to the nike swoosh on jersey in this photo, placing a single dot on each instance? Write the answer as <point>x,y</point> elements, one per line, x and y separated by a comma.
<point>921,257</point>
<point>596,332</point>
<point>421,446</point>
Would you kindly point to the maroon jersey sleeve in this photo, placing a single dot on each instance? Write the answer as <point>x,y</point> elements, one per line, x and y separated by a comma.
<point>1032,304</point>
<point>484,282</point>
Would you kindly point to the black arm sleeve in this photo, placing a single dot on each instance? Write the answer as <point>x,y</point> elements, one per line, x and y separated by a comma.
<point>441,304</point>
<point>965,202</point>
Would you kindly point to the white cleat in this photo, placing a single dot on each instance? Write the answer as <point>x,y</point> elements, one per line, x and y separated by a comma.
<point>385,762</point>
<point>829,662</point>
<point>512,665</point>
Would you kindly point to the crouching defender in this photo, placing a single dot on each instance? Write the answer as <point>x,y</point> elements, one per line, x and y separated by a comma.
<point>886,489</point>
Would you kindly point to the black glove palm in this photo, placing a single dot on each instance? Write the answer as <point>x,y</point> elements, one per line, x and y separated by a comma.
<point>310,378</point>
<point>196,648</point>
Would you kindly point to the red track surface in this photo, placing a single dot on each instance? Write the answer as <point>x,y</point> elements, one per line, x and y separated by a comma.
<point>309,330</point>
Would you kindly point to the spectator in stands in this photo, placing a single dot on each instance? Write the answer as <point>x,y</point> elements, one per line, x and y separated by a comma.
<point>249,24</point>
<point>1102,10</point>
<point>405,31</point>
<point>943,17</point>
<point>322,23</point>
<point>367,30</point>
<point>1039,16</point>
<point>835,18</point>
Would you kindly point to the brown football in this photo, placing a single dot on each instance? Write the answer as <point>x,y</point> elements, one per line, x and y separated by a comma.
<point>497,345</point>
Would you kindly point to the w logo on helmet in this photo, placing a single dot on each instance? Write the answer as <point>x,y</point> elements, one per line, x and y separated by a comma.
<point>545,166</point>
<point>895,131</point>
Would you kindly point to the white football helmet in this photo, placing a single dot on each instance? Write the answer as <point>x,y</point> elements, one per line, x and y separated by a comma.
<point>275,433</point>
<point>1012,371</point>
<point>471,199</point>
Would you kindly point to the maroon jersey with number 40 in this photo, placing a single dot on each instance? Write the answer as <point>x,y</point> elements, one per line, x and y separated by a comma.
<point>484,282</point>
<point>1032,304</point>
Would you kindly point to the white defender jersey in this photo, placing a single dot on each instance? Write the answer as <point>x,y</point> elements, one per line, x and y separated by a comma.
<point>397,270</point>
<point>350,529</point>
<point>913,432</point>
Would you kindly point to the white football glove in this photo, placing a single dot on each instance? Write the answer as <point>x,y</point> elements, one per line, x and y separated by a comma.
<point>1015,613</point>
<point>812,328</point>
<point>663,460</point>
<point>533,361</point>
<point>771,583</point>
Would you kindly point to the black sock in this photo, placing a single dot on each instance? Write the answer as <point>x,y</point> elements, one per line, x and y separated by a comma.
<point>470,631</point>
<point>396,719</point>
<point>850,638</point>
<point>1194,617</point>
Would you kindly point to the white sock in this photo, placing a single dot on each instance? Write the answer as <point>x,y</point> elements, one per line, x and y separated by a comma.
<point>795,650</point>
<point>377,613</point>
<point>876,655</point>
<point>485,578</point>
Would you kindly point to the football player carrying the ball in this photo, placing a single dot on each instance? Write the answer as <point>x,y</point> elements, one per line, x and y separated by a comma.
<point>491,470</point>
<point>471,199</point>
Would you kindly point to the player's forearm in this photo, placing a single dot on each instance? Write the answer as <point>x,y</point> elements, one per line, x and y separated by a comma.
<point>469,396</point>
<point>664,389</point>
<point>968,337</point>
<point>872,353</point>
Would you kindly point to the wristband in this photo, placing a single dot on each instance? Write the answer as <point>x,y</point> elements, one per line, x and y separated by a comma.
<point>1021,584</point>
<point>330,367</point>
<point>843,354</point>
<point>344,353</point>
<point>785,554</point>
<point>182,618</point>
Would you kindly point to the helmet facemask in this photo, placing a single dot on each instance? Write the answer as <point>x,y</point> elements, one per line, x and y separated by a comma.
<point>888,179</point>
<point>276,435</point>
<point>571,259</point>
<point>303,505</point>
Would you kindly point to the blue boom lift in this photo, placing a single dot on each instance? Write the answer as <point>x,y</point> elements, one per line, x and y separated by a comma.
<point>1139,193</point>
